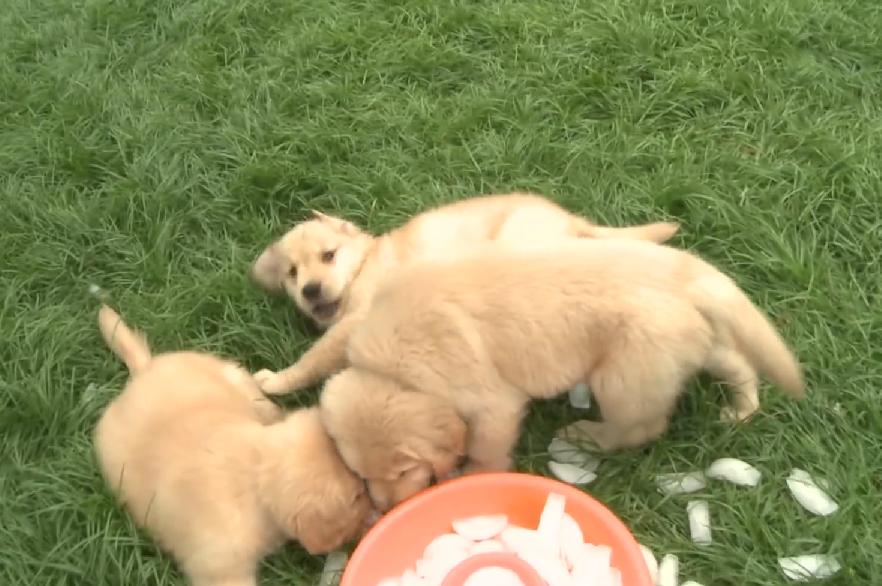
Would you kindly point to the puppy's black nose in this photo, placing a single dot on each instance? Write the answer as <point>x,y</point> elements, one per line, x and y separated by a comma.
<point>312,290</point>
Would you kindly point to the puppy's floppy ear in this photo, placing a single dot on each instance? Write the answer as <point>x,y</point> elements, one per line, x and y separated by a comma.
<point>437,435</point>
<point>447,456</point>
<point>317,532</point>
<point>344,226</point>
<point>269,269</point>
<point>325,521</point>
<point>403,458</point>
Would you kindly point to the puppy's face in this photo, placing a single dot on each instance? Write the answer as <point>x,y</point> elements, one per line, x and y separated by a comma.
<point>398,440</point>
<point>314,264</point>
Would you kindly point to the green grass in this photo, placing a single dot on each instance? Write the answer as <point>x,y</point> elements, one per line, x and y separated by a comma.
<point>154,146</point>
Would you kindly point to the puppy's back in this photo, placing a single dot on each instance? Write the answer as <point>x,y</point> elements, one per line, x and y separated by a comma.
<point>540,275</point>
<point>577,293</point>
<point>520,308</point>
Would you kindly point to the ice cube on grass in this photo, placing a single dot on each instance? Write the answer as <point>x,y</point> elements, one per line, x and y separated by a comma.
<point>808,494</point>
<point>580,396</point>
<point>669,571</point>
<point>699,522</point>
<point>333,569</point>
<point>570,473</point>
<point>481,527</point>
<point>651,562</point>
<point>680,482</point>
<point>803,568</point>
<point>566,452</point>
<point>735,471</point>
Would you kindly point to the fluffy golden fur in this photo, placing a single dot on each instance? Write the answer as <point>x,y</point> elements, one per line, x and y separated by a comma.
<point>474,340</point>
<point>331,268</point>
<point>213,470</point>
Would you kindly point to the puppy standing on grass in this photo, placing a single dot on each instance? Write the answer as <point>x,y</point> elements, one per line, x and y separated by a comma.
<point>475,340</point>
<point>213,470</point>
<point>331,269</point>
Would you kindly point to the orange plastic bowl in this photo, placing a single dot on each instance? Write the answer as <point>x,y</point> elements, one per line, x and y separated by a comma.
<point>397,541</point>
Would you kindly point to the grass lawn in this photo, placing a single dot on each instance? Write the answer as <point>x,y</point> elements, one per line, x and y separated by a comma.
<point>154,146</point>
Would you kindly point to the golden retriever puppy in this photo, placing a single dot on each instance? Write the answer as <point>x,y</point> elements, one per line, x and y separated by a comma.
<point>331,268</point>
<point>475,339</point>
<point>213,470</point>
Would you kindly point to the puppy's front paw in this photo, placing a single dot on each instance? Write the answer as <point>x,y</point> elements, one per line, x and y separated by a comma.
<point>270,382</point>
<point>730,414</point>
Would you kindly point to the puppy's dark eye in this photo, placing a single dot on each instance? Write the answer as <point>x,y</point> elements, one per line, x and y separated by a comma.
<point>292,272</point>
<point>328,256</point>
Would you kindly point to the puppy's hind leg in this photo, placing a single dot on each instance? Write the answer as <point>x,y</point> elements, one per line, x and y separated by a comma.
<point>609,435</point>
<point>635,401</point>
<point>737,372</point>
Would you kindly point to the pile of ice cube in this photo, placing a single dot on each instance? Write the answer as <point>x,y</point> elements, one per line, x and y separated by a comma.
<point>574,465</point>
<point>556,549</point>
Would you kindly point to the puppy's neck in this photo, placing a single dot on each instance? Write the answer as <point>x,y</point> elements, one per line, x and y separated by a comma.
<point>361,283</point>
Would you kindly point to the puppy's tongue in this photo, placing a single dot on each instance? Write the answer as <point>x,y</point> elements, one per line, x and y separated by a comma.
<point>325,310</point>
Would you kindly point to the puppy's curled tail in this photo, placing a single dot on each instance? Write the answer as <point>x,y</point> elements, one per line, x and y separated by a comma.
<point>131,346</point>
<point>658,232</point>
<point>720,300</point>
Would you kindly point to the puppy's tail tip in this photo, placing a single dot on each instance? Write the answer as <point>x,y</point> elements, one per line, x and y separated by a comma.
<point>658,232</point>
<point>130,346</point>
<point>721,301</point>
<point>98,293</point>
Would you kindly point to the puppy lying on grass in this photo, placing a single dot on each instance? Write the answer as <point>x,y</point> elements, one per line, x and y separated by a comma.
<point>474,340</point>
<point>331,269</point>
<point>213,470</point>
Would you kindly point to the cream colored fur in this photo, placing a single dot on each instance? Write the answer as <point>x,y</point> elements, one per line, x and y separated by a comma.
<point>476,339</point>
<point>213,470</point>
<point>348,265</point>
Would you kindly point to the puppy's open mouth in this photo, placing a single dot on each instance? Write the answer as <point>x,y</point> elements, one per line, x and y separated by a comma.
<point>325,310</point>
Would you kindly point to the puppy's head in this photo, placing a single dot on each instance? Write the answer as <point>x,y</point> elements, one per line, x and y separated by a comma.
<point>312,493</point>
<point>396,439</point>
<point>314,263</point>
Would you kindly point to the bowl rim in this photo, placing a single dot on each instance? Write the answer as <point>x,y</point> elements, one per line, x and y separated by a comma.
<point>609,519</point>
